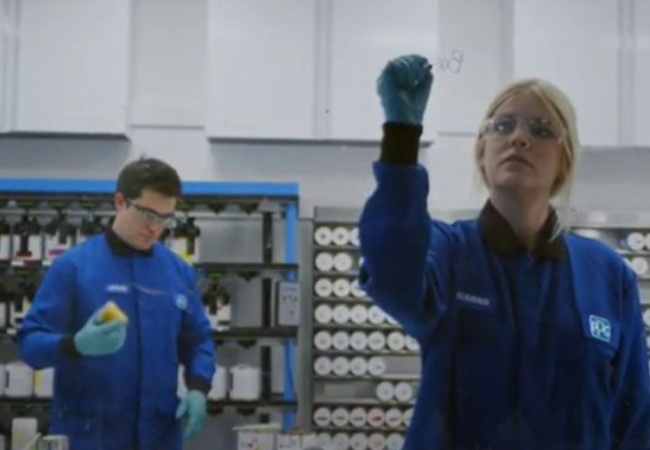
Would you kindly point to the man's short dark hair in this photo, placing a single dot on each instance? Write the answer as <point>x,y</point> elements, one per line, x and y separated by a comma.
<point>148,173</point>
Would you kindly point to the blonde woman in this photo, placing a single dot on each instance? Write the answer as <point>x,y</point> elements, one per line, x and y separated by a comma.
<point>531,336</point>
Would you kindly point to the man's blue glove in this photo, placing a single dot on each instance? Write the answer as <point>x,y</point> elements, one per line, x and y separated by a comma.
<point>193,405</point>
<point>99,339</point>
<point>403,87</point>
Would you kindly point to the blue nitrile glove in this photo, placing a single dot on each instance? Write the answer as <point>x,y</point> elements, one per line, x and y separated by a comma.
<point>403,87</point>
<point>193,405</point>
<point>98,339</point>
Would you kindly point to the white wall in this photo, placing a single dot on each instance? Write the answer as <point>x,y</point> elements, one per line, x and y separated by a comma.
<point>168,116</point>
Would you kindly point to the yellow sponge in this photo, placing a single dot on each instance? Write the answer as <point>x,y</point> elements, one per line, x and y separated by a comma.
<point>112,312</point>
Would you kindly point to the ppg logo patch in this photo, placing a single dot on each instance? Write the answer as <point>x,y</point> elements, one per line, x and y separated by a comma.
<point>600,328</point>
<point>181,302</point>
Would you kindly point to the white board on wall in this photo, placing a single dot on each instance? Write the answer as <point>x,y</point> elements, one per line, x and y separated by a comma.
<point>73,67</point>
<point>473,62</point>
<point>576,45</point>
<point>261,66</point>
<point>365,35</point>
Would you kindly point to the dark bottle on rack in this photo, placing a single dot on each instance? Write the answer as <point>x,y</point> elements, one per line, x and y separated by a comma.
<point>27,240</point>
<point>5,240</point>
<point>59,237</point>
<point>164,237</point>
<point>90,226</point>
<point>178,240</point>
<point>217,307</point>
<point>193,240</point>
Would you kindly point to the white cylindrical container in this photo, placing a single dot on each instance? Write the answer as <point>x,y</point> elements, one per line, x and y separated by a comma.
<point>341,366</point>
<point>376,366</point>
<point>341,314</point>
<point>396,341</point>
<point>340,417</point>
<point>404,391</point>
<point>407,417</point>
<point>324,262</point>
<point>377,341</point>
<point>385,391</point>
<point>324,287</point>
<point>359,341</point>
<point>323,366</point>
<point>640,266</point>
<point>634,241</point>
<point>219,389</point>
<point>355,289</point>
<point>354,237</point>
<point>375,315</point>
<point>322,416</point>
<point>323,235</point>
<point>323,340</point>
<point>20,380</point>
<point>23,431</point>
<point>412,344</point>
<point>340,236</point>
<point>394,441</point>
<point>647,241</point>
<point>376,417</point>
<point>341,288</point>
<point>376,441</point>
<point>341,441</point>
<point>323,314</point>
<point>358,441</point>
<point>246,382</point>
<point>324,440</point>
<point>358,366</point>
<point>44,383</point>
<point>341,340</point>
<point>342,262</point>
<point>394,418</point>
<point>359,315</point>
<point>358,417</point>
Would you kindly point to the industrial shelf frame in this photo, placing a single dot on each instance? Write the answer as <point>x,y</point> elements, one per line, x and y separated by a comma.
<point>267,199</point>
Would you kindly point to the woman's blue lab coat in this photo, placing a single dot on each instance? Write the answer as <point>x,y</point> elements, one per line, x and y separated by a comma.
<point>540,349</point>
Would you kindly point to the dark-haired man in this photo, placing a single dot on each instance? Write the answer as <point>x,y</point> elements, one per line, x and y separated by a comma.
<point>116,381</point>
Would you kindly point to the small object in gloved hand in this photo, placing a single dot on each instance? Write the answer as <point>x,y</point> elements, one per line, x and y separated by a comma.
<point>99,339</point>
<point>111,312</point>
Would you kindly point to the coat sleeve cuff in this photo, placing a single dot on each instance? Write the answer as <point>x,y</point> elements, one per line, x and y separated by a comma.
<point>400,143</point>
<point>198,384</point>
<point>68,348</point>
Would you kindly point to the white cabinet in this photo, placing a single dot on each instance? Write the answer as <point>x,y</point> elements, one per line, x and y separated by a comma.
<point>575,44</point>
<point>642,73</point>
<point>474,62</point>
<point>365,34</point>
<point>261,72</point>
<point>71,74</point>
<point>307,69</point>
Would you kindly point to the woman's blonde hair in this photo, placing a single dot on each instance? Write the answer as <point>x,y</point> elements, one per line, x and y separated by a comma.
<point>562,114</point>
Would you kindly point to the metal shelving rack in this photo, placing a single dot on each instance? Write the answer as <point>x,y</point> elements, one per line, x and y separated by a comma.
<point>349,395</point>
<point>200,199</point>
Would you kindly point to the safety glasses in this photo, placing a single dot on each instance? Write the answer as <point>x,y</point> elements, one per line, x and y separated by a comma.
<point>537,128</point>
